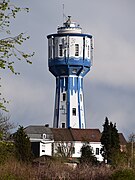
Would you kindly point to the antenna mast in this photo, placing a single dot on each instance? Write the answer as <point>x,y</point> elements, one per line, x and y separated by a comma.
<point>63,14</point>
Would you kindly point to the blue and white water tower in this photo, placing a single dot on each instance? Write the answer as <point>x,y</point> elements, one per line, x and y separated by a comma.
<point>69,60</point>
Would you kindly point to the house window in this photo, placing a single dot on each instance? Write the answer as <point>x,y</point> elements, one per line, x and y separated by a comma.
<point>60,50</point>
<point>63,125</point>
<point>73,150</point>
<point>76,49</point>
<point>43,150</point>
<point>64,96</point>
<point>97,151</point>
<point>74,111</point>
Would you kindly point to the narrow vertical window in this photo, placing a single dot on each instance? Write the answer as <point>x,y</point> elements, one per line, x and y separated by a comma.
<point>64,96</point>
<point>73,150</point>
<point>76,49</point>
<point>63,125</point>
<point>49,52</point>
<point>97,151</point>
<point>74,111</point>
<point>80,97</point>
<point>88,51</point>
<point>60,50</point>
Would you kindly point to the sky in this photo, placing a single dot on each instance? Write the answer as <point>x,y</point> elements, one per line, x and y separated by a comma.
<point>109,88</point>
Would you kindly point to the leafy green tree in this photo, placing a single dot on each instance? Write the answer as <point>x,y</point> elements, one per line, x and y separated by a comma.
<point>9,45</point>
<point>22,145</point>
<point>87,156</point>
<point>110,141</point>
<point>6,150</point>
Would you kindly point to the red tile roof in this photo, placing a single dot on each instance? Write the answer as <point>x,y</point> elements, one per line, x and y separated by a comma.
<point>89,135</point>
<point>122,139</point>
<point>61,134</point>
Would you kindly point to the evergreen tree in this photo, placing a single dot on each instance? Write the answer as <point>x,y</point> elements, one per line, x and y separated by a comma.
<point>87,155</point>
<point>22,145</point>
<point>110,141</point>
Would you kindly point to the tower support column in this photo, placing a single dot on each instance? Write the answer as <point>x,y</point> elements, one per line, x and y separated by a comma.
<point>69,105</point>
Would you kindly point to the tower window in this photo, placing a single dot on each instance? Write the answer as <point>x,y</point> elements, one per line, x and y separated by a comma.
<point>64,96</point>
<point>60,50</point>
<point>97,151</point>
<point>63,125</point>
<point>74,111</point>
<point>80,97</point>
<point>88,51</point>
<point>76,49</point>
<point>49,52</point>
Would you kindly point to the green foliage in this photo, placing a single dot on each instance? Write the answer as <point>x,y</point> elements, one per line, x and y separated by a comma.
<point>124,174</point>
<point>9,176</point>
<point>87,155</point>
<point>22,145</point>
<point>110,141</point>
<point>130,150</point>
<point>6,151</point>
<point>9,46</point>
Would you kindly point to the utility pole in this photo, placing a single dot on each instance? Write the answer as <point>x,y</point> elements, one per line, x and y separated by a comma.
<point>132,137</point>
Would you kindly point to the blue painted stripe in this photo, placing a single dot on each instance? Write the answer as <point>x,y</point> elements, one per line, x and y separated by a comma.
<point>68,103</point>
<point>79,110</point>
<point>57,100</point>
<point>69,34</point>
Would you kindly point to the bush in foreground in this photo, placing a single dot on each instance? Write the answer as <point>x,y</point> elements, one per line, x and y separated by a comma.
<point>124,174</point>
<point>16,170</point>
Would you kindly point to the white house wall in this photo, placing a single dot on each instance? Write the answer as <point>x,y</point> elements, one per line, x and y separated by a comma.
<point>78,146</point>
<point>46,148</point>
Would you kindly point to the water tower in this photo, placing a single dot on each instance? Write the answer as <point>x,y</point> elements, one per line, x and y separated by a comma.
<point>69,60</point>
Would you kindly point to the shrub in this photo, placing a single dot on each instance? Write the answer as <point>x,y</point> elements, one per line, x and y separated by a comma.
<point>124,174</point>
<point>6,151</point>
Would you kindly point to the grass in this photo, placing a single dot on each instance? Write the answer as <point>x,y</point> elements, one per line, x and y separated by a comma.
<point>50,169</point>
<point>14,170</point>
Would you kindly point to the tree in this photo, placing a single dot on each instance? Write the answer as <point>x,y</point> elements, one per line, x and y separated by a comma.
<point>87,155</point>
<point>22,145</point>
<point>110,141</point>
<point>9,45</point>
<point>131,150</point>
<point>64,149</point>
<point>6,147</point>
<point>5,126</point>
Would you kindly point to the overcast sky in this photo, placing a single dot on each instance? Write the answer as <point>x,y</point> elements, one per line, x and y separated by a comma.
<point>110,85</point>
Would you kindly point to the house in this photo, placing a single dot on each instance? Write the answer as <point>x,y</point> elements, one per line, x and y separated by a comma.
<point>123,142</point>
<point>74,139</point>
<point>41,139</point>
<point>66,141</point>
